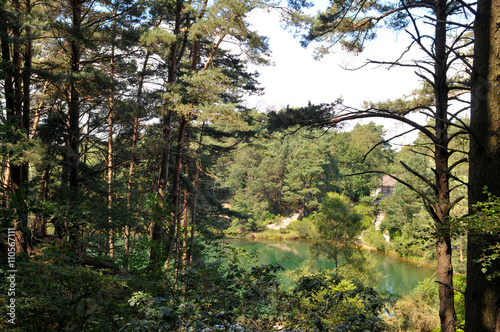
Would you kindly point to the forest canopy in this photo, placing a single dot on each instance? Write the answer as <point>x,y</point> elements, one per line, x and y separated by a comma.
<point>127,153</point>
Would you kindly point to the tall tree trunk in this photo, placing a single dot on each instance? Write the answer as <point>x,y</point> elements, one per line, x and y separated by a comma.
<point>8,84</point>
<point>195,195</point>
<point>9,97</point>
<point>38,112</point>
<point>26,77</point>
<point>193,213</point>
<point>73,142</point>
<point>482,296</point>
<point>16,87</point>
<point>441,159</point>
<point>16,173</point>
<point>185,207</point>
<point>41,224</point>
<point>135,138</point>
<point>110,166</point>
<point>19,171</point>
<point>74,102</point>
<point>157,232</point>
<point>176,188</point>
<point>174,225</point>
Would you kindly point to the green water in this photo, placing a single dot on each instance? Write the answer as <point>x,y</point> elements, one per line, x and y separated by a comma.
<point>400,276</point>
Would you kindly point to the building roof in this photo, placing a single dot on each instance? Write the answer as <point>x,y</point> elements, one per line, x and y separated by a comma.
<point>387,181</point>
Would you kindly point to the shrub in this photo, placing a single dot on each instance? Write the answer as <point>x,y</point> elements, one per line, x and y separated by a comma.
<point>416,311</point>
<point>305,228</point>
<point>375,238</point>
<point>55,293</point>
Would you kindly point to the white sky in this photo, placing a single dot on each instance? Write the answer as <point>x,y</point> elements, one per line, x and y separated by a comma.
<point>296,78</point>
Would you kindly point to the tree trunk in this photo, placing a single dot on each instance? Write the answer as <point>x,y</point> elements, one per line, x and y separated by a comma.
<point>111,101</point>
<point>73,141</point>
<point>157,232</point>
<point>38,112</point>
<point>135,138</point>
<point>41,224</point>
<point>74,102</point>
<point>185,207</point>
<point>9,98</point>
<point>174,224</point>
<point>195,195</point>
<point>16,87</point>
<point>441,159</point>
<point>482,296</point>
<point>26,78</point>
<point>8,84</point>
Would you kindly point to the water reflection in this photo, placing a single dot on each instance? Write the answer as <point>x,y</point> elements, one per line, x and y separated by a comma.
<point>400,276</point>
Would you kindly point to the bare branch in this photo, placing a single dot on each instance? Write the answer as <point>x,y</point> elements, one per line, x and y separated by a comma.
<point>418,175</point>
<point>449,286</point>
<point>462,182</point>
<point>467,26</point>
<point>409,186</point>
<point>468,6</point>
<point>385,141</point>
<point>422,154</point>
<point>456,201</point>
<point>458,133</point>
<point>376,113</point>
<point>456,163</point>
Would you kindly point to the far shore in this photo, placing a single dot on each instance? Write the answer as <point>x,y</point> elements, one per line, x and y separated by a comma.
<point>362,246</point>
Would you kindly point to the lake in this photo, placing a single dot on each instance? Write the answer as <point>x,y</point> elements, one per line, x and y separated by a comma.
<point>401,275</point>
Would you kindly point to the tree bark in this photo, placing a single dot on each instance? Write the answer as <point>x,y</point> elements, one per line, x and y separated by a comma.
<point>17,99</point>
<point>157,231</point>
<point>17,102</point>
<point>441,158</point>
<point>111,102</point>
<point>176,189</point>
<point>72,157</point>
<point>74,102</point>
<point>195,195</point>
<point>482,296</point>
<point>135,138</point>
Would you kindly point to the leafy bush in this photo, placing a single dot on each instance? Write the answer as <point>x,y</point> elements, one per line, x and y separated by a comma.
<point>459,284</point>
<point>305,228</point>
<point>417,310</point>
<point>230,296</point>
<point>55,293</point>
<point>375,238</point>
<point>325,302</point>
<point>270,218</point>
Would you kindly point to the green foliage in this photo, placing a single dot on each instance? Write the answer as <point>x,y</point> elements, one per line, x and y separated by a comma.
<point>337,219</point>
<point>330,303</point>
<point>15,145</point>
<point>359,153</point>
<point>484,224</point>
<point>416,311</point>
<point>339,227</point>
<point>290,173</point>
<point>231,296</point>
<point>406,219</point>
<point>375,238</point>
<point>306,227</point>
<point>367,210</point>
<point>290,118</point>
<point>459,284</point>
<point>54,292</point>
<point>94,79</point>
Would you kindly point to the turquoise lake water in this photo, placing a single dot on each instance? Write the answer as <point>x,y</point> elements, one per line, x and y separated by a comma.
<point>399,275</point>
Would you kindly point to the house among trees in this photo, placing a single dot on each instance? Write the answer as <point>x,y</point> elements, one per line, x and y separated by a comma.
<point>386,186</point>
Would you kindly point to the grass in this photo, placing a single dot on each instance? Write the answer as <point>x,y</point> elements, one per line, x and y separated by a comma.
<point>274,235</point>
